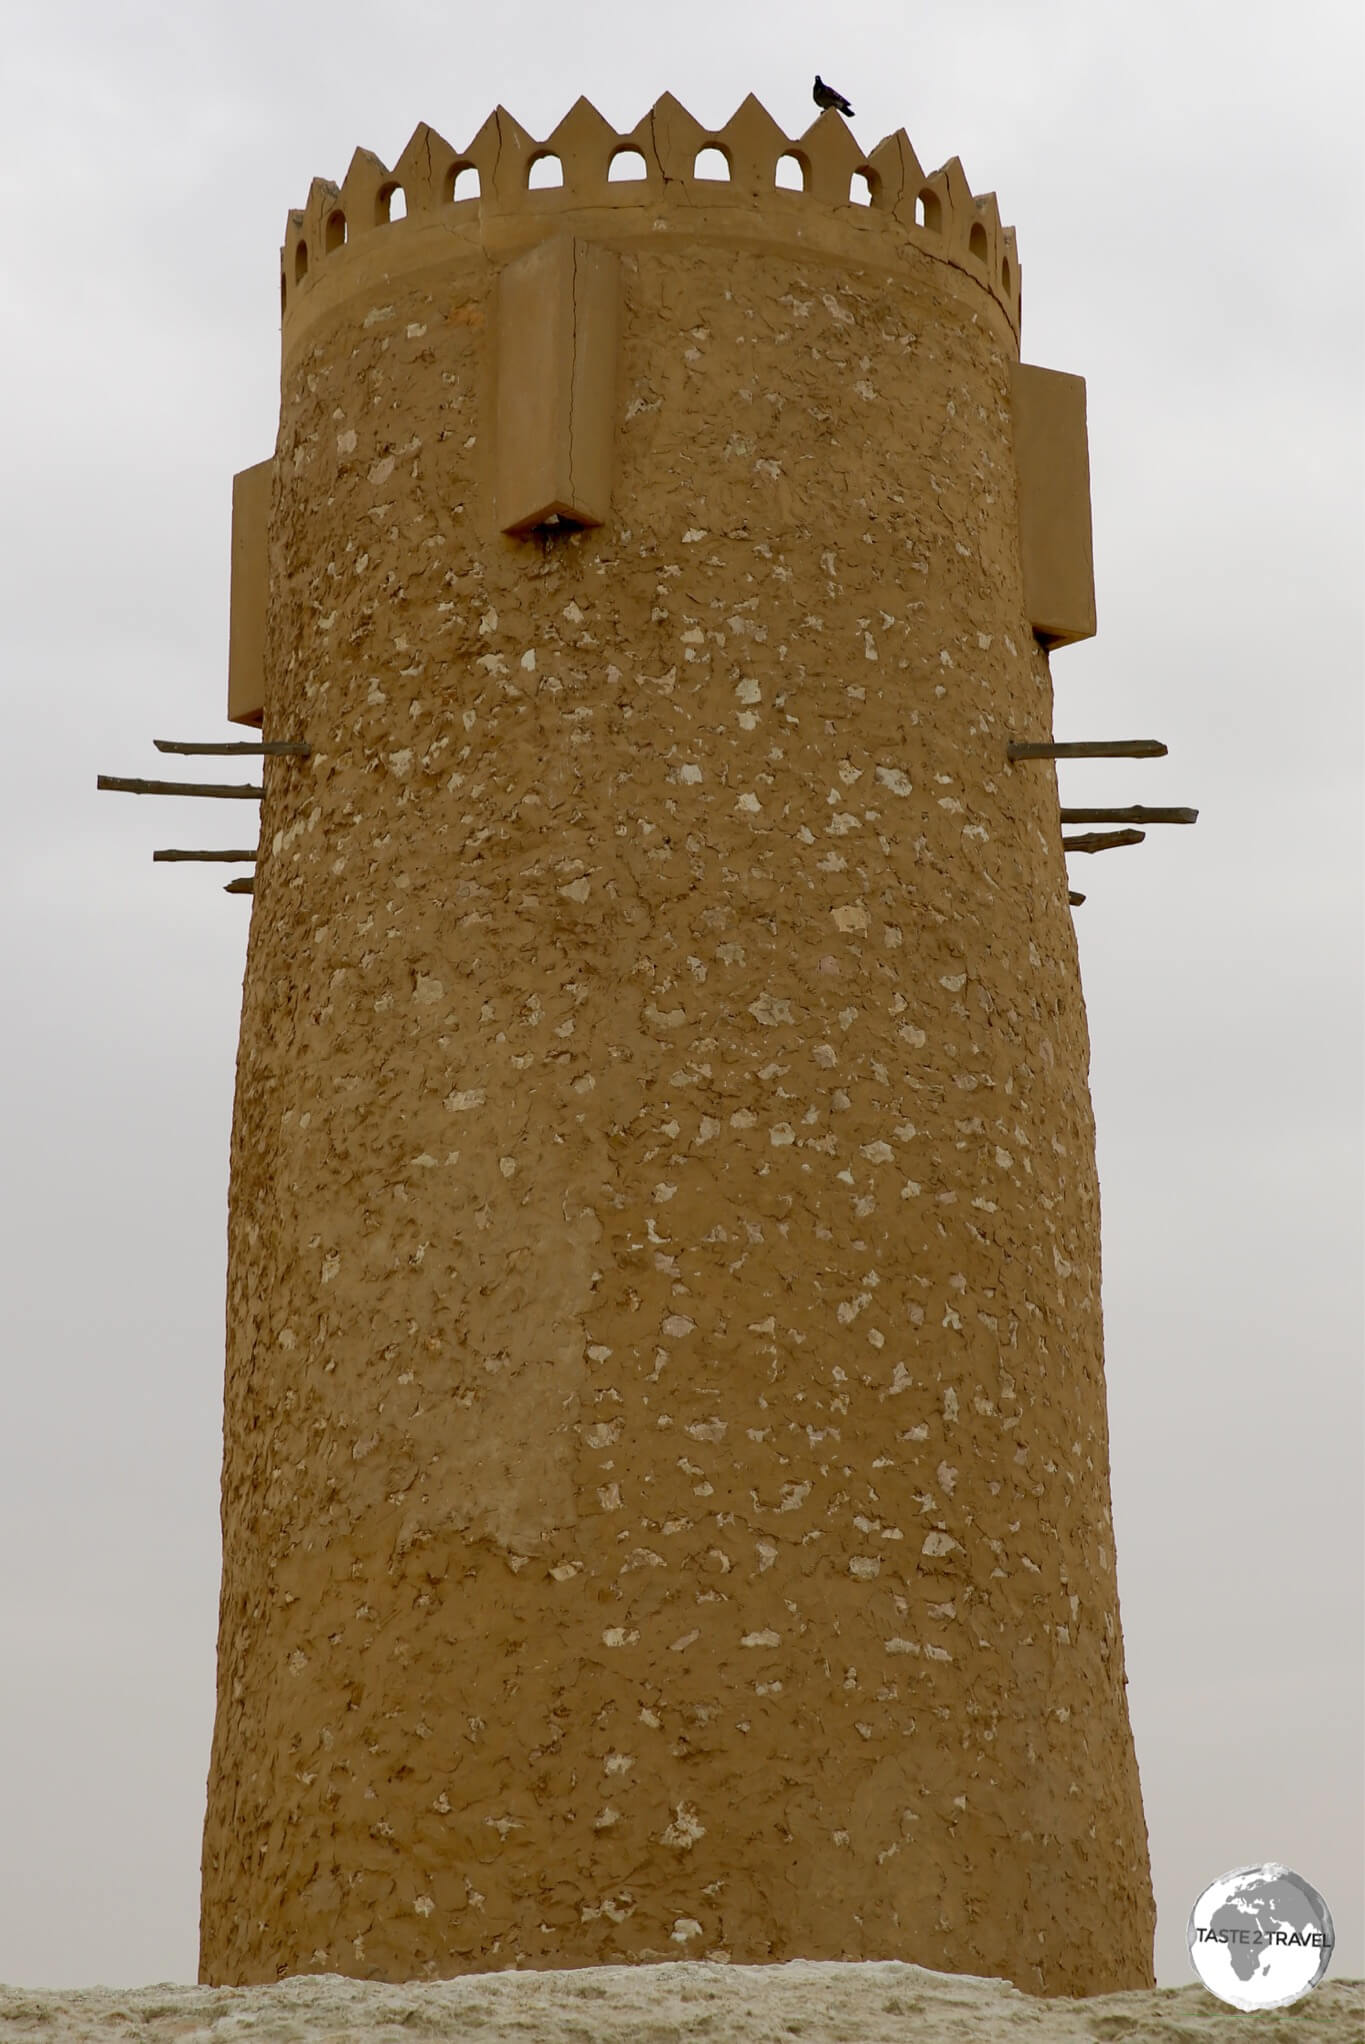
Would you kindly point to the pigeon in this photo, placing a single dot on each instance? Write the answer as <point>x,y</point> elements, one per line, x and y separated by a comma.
<point>825,96</point>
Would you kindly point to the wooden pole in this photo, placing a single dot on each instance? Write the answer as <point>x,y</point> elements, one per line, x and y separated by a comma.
<point>240,887</point>
<point>1089,748</point>
<point>1075,899</point>
<point>246,792</point>
<point>227,858</point>
<point>1103,840</point>
<point>273,747</point>
<point>1137,814</point>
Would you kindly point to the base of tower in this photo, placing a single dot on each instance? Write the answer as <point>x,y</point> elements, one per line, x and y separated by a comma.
<point>882,2002</point>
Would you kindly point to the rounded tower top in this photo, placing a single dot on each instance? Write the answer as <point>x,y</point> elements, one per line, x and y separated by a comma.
<point>667,175</point>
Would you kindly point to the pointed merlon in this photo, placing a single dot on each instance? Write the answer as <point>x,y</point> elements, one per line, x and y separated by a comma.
<point>752,143</point>
<point>832,154</point>
<point>674,139</point>
<point>365,192</point>
<point>899,174</point>
<point>585,145</point>
<point>515,151</point>
<point>426,169</point>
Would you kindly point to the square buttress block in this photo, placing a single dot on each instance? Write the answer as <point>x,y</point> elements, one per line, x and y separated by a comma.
<point>1052,456</point>
<point>250,581</point>
<point>558,310</point>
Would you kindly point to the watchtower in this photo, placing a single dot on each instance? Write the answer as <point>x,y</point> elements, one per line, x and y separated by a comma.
<point>666,1482</point>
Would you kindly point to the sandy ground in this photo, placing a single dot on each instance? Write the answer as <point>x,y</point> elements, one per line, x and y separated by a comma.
<point>668,2004</point>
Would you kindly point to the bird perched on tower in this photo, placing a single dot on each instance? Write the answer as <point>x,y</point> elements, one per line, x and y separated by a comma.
<point>825,96</point>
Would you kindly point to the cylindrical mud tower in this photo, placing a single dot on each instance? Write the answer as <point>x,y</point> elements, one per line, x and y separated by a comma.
<point>666,1493</point>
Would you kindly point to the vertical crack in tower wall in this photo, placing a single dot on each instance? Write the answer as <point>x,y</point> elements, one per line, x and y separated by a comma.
<point>574,325</point>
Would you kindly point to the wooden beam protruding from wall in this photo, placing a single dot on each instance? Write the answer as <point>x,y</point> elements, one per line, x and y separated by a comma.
<point>1103,840</point>
<point>245,791</point>
<point>238,858</point>
<point>272,748</point>
<point>1088,748</point>
<point>1136,813</point>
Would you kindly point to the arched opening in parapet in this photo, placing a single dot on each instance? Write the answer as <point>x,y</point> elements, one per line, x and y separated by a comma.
<point>863,189</point>
<point>627,166</point>
<point>929,211</point>
<point>545,175</point>
<point>712,166</point>
<point>791,173</point>
<point>334,234</point>
<point>300,262</point>
<point>462,182</point>
<point>1006,277</point>
<point>393,203</point>
<point>977,244</point>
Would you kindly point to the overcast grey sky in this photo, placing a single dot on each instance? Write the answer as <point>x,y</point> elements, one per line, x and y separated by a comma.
<point>1185,179</point>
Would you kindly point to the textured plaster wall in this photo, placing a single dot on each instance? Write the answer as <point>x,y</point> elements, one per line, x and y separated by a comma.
<point>666,1490</point>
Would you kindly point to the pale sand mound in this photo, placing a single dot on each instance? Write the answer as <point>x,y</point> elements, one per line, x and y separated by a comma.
<point>884,2003</point>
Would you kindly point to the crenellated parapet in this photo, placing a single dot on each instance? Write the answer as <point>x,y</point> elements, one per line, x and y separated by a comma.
<point>748,180</point>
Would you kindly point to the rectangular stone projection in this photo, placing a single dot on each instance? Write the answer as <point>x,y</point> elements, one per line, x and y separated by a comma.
<point>1052,456</point>
<point>246,613</point>
<point>556,342</point>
